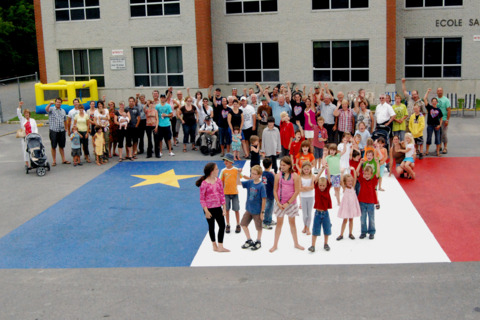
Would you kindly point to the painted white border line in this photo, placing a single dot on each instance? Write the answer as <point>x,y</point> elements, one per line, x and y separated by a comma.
<point>402,237</point>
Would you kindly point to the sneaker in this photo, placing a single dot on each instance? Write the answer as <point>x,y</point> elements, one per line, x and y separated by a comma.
<point>371,236</point>
<point>238,229</point>
<point>311,249</point>
<point>171,154</point>
<point>227,229</point>
<point>257,245</point>
<point>248,244</point>
<point>267,226</point>
<point>161,154</point>
<point>273,223</point>
<point>326,247</point>
<point>315,171</point>
<point>362,236</point>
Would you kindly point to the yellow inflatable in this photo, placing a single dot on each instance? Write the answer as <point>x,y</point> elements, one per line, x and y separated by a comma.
<point>85,91</point>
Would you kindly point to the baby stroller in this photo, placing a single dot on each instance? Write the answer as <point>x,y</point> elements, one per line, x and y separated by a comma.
<point>36,152</point>
<point>382,131</point>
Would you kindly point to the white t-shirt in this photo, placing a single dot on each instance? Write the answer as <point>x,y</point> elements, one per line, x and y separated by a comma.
<point>71,114</point>
<point>307,182</point>
<point>202,114</point>
<point>102,118</point>
<point>212,127</point>
<point>384,112</point>
<point>345,158</point>
<point>410,150</point>
<point>248,112</point>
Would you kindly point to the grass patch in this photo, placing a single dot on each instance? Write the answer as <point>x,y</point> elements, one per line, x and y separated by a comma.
<point>33,115</point>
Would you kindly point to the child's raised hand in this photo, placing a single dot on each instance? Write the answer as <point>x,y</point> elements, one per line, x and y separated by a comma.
<point>362,161</point>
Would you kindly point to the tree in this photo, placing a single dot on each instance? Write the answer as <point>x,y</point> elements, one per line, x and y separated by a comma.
<point>18,43</point>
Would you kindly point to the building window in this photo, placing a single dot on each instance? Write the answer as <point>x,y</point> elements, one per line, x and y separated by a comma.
<point>432,3</point>
<point>433,58</point>
<point>338,4</point>
<point>67,10</point>
<point>341,61</point>
<point>147,8</point>
<point>82,65</point>
<point>250,6</point>
<point>253,62</point>
<point>158,67</point>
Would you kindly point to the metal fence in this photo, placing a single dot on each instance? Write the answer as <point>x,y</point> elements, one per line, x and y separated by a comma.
<point>16,89</point>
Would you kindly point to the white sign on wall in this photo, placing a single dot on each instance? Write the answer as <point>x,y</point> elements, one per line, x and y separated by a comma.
<point>118,63</point>
<point>117,52</point>
<point>476,37</point>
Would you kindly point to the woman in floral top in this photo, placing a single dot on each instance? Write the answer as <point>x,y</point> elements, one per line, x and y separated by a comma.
<point>212,200</point>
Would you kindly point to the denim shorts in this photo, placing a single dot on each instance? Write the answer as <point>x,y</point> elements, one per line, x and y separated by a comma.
<point>231,200</point>
<point>321,219</point>
<point>318,152</point>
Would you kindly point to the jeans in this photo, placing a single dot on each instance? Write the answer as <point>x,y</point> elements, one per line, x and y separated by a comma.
<point>189,131</point>
<point>367,209</point>
<point>141,133</point>
<point>330,132</point>
<point>267,219</point>
<point>400,134</point>
<point>225,136</point>
<point>357,188</point>
<point>84,143</point>
<point>274,162</point>
<point>149,131</point>
<point>430,131</point>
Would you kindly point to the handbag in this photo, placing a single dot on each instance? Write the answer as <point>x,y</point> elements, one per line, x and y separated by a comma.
<point>20,133</point>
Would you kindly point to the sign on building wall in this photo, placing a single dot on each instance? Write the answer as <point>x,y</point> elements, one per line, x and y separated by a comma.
<point>476,37</point>
<point>117,52</point>
<point>119,63</point>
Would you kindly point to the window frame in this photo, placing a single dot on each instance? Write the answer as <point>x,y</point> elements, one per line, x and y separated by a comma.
<point>441,65</point>
<point>156,2</point>
<point>339,9</point>
<point>69,9</point>
<point>89,75</point>
<point>244,63</point>
<point>331,68</point>
<point>150,74</point>
<point>248,13</point>
<point>433,7</point>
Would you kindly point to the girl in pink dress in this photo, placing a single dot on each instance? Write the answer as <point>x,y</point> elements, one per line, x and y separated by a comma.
<point>349,207</point>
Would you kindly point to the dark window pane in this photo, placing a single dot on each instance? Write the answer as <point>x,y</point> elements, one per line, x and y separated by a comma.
<point>81,78</point>
<point>413,72</point>
<point>78,14</point>
<point>234,7</point>
<point>414,3</point>
<point>159,81</point>
<point>154,10</point>
<point>142,81</point>
<point>91,3</point>
<point>321,75</point>
<point>59,4</point>
<point>432,72</point>
<point>321,54</point>
<point>93,13</point>
<point>320,4</point>
<point>452,51</point>
<point>175,81</point>
<point>358,4</point>
<point>83,92</point>
<point>174,60</point>
<point>270,56</point>
<point>252,56</point>
<point>433,51</point>
<point>253,6</point>
<point>76,3</point>
<point>80,59</point>
<point>339,4</point>
<point>340,54</point>
<point>413,51</point>
<point>235,56</point>
<point>271,76</point>
<point>433,3</point>
<point>62,15</point>
<point>140,60</point>
<point>253,76</point>
<point>269,6</point>
<point>172,8</point>
<point>137,11</point>
<point>454,2</point>
<point>66,62</point>
<point>235,76</point>
<point>340,75</point>
<point>157,60</point>
<point>360,54</point>
<point>96,61</point>
<point>137,1</point>
<point>360,75</point>
<point>100,80</point>
<point>452,72</point>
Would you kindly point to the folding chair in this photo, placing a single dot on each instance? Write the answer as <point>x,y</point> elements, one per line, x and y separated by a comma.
<point>470,103</point>
<point>453,102</point>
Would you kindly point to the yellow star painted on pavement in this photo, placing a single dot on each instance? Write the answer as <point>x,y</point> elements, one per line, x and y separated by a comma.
<point>168,178</point>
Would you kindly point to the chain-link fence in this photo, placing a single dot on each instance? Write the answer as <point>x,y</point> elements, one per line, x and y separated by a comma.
<point>13,90</point>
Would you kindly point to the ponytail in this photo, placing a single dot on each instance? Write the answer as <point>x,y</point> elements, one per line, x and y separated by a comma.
<point>209,167</point>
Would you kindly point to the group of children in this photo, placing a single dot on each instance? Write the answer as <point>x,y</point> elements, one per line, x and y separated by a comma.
<point>98,141</point>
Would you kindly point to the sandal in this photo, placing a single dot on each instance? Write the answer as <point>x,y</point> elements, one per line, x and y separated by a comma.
<point>194,149</point>
<point>445,151</point>
<point>54,164</point>
<point>351,236</point>
<point>120,160</point>
<point>339,238</point>
<point>184,149</point>
<point>66,162</point>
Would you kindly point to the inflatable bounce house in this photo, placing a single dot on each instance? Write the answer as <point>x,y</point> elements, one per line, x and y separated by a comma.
<point>85,91</point>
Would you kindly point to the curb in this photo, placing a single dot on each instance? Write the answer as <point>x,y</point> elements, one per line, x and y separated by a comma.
<point>40,123</point>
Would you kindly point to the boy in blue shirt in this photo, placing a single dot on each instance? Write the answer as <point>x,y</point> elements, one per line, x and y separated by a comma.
<point>76,151</point>
<point>255,207</point>
<point>268,179</point>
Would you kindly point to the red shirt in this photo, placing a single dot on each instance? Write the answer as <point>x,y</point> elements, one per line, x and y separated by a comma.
<point>323,202</point>
<point>367,189</point>
<point>354,164</point>
<point>295,148</point>
<point>319,133</point>
<point>286,132</point>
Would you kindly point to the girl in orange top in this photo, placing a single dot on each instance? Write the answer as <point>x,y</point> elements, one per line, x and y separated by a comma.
<point>303,155</point>
<point>369,146</point>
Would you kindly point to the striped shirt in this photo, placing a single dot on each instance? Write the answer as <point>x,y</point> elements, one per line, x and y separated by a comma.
<point>56,119</point>
<point>345,120</point>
